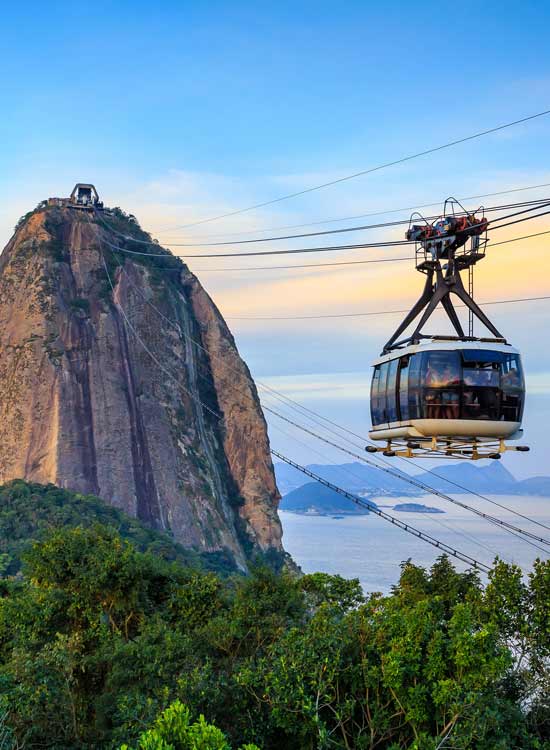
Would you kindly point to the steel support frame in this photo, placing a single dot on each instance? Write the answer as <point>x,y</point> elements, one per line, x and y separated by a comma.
<point>435,292</point>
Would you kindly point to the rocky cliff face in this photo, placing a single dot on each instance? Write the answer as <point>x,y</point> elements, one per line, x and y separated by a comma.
<point>119,377</point>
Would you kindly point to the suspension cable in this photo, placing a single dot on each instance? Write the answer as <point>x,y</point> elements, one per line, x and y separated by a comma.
<point>364,227</point>
<point>388,243</point>
<point>345,262</point>
<point>369,171</point>
<point>379,212</point>
<point>452,529</point>
<point>386,516</point>
<point>237,269</point>
<point>323,248</point>
<point>512,529</point>
<point>377,312</point>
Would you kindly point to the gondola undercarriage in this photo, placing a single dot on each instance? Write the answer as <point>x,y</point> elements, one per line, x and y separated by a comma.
<point>448,447</point>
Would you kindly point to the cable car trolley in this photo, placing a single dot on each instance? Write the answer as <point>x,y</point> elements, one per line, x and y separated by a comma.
<point>455,396</point>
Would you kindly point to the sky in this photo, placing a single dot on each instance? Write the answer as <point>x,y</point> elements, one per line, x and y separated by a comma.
<point>182,111</point>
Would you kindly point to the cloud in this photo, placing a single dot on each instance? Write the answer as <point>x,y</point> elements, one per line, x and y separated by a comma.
<point>336,386</point>
<point>538,383</point>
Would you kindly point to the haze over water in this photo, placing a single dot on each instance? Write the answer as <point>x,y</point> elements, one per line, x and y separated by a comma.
<point>371,549</point>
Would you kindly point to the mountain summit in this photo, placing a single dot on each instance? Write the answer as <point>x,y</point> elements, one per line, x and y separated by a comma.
<point>120,378</point>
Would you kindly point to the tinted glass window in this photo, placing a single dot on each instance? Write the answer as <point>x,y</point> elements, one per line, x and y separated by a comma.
<point>481,403</point>
<point>378,394</point>
<point>511,373</point>
<point>382,391</point>
<point>391,391</point>
<point>488,375</point>
<point>374,399</point>
<point>482,355</point>
<point>513,388</point>
<point>415,361</point>
<point>441,369</point>
<point>441,378</point>
<point>404,389</point>
<point>493,386</point>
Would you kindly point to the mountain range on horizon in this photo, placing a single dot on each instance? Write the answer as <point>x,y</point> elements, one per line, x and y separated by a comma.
<point>465,477</point>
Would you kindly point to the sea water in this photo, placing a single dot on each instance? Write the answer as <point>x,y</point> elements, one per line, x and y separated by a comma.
<point>371,549</point>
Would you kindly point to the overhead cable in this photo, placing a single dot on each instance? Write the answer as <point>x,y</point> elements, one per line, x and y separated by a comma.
<point>374,312</point>
<point>509,527</point>
<point>380,212</point>
<point>329,248</point>
<point>363,228</point>
<point>459,531</point>
<point>363,172</point>
<point>386,516</point>
<point>348,262</point>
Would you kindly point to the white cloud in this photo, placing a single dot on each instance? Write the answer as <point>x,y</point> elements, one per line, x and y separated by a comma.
<point>336,386</point>
<point>538,383</point>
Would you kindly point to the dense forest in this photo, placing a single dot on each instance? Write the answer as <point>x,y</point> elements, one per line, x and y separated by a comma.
<point>29,511</point>
<point>105,643</point>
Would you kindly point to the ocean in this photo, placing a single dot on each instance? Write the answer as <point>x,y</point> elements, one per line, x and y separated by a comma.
<point>371,549</point>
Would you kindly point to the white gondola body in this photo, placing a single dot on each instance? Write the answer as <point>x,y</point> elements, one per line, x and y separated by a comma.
<point>436,389</point>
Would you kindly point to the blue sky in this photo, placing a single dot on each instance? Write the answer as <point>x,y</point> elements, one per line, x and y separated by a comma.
<point>179,111</point>
<point>248,88</point>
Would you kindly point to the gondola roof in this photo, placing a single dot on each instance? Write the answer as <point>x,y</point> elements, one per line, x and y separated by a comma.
<point>446,344</point>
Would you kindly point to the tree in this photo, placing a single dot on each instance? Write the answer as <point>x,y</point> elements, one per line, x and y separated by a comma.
<point>101,644</point>
<point>173,730</point>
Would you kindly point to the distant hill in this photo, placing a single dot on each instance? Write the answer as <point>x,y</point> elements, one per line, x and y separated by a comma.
<point>354,477</point>
<point>416,508</point>
<point>535,486</point>
<point>316,498</point>
<point>28,511</point>
<point>492,479</point>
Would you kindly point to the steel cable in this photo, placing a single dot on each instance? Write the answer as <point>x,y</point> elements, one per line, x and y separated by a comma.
<point>405,478</point>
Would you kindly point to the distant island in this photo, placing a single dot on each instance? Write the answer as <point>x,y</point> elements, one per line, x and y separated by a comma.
<point>314,499</point>
<point>417,508</point>
<point>367,482</point>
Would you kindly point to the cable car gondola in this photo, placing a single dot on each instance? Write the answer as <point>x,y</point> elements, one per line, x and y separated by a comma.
<point>447,396</point>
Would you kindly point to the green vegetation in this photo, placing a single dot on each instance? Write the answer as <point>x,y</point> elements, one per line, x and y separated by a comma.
<point>28,512</point>
<point>80,304</point>
<point>173,729</point>
<point>106,646</point>
<point>125,232</point>
<point>127,224</point>
<point>27,216</point>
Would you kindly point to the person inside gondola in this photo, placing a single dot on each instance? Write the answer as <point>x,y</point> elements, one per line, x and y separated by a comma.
<point>511,379</point>
<point>470,405</point>
<point>511,396</point>
<point>435,378</point>
<point>450,398</point>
